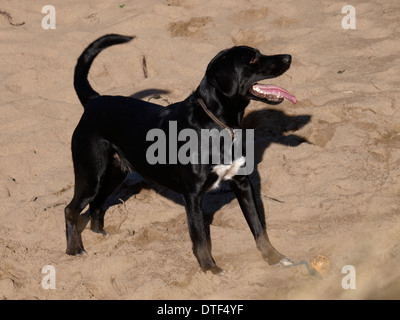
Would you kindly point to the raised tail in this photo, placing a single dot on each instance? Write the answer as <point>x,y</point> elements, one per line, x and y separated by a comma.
<point>82,86</point>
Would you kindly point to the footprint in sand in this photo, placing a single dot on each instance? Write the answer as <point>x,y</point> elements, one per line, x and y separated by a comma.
<point>192,28</point>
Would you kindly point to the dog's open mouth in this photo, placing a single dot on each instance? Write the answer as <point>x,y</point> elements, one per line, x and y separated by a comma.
<point>271,93</point>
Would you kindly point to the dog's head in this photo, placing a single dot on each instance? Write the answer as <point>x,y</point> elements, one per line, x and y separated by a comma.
<point>236,72</point>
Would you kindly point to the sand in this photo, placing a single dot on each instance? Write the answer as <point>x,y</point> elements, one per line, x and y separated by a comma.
<point>338,194</point>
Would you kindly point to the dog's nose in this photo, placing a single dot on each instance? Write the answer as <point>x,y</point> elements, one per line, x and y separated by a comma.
<point>287,58</point>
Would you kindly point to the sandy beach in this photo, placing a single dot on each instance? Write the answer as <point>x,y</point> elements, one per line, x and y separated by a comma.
<point>327,168</point>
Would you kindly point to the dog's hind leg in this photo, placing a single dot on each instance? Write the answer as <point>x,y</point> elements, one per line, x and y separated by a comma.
<point>85,192</point>
<point>112,179</point>
<point>90,164</point>
<point>244,192</point>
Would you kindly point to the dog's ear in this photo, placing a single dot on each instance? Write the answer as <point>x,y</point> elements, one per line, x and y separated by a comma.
<point>222,75</point>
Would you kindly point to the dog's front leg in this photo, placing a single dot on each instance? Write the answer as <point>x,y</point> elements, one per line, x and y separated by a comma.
<point>199,233</point>
<point>244,192</point>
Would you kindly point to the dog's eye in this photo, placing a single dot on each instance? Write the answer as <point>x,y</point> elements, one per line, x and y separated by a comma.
<point>253,61</point>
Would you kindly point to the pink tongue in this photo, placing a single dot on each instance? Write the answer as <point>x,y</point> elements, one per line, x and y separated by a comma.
<point>275,90</point>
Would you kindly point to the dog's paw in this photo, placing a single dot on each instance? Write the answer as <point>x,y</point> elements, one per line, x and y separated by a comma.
<point>76,252</point>
<point>105,233</point>
<point>215,270</point>
<point>285,262</point>
<point>83,252</point>
<point>97,229</point>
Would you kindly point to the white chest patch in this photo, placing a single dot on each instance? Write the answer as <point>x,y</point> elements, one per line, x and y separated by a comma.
<point>227,171</point>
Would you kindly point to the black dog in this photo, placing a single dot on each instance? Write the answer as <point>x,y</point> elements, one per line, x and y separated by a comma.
<point>110,141</point>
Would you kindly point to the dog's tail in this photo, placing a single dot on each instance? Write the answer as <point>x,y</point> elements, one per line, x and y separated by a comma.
<point>82,86</point>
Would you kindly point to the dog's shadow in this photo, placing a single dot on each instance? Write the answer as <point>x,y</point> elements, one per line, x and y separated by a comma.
<point>271,126</point>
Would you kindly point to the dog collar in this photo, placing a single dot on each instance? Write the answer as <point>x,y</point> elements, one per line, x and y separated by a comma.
<point>214,118</point>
